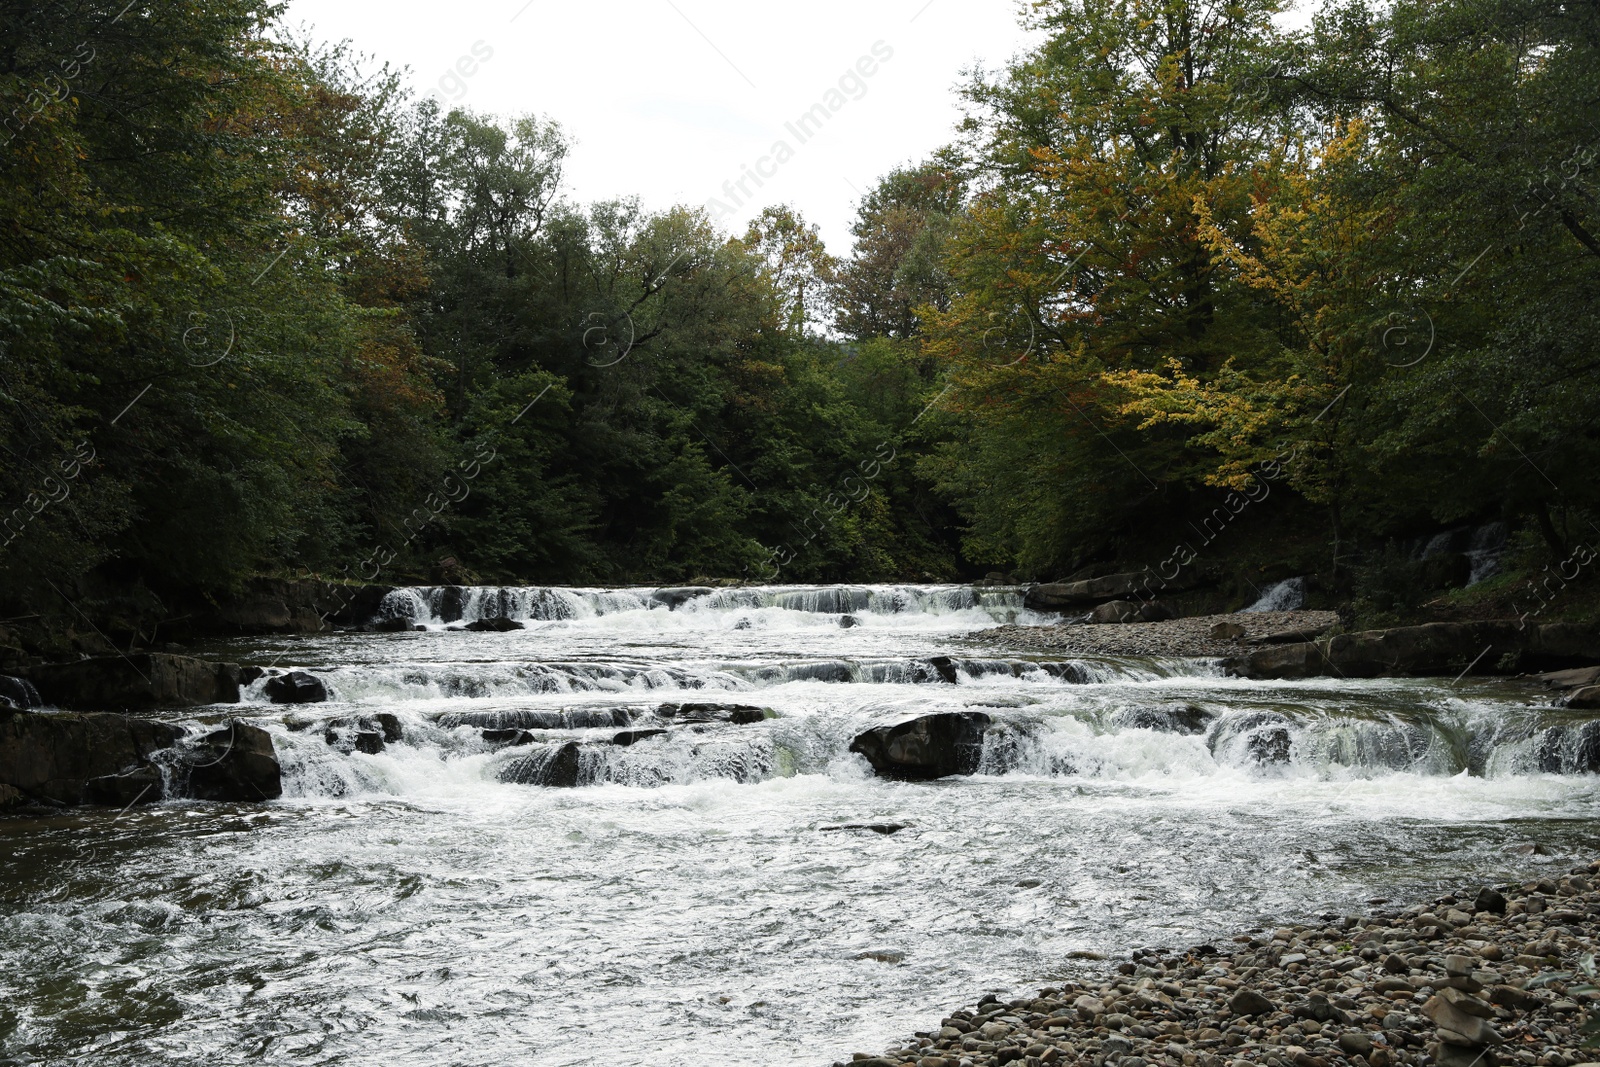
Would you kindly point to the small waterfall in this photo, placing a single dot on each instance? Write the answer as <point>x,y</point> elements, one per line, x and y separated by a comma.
<point>445,605</point>
<point>1287,595</point>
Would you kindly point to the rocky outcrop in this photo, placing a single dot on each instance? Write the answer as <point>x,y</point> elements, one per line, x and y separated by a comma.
<point>124,683</point>
<point>287,606</point>
<point>1075,597</point>
<point>69,758</point>
<point>928,746</point>
<point>236,763</point>
<point>1439,648</point>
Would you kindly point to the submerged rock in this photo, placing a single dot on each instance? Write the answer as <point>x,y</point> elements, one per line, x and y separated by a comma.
<point>928,746</point>
<point>674,597</point>
<point>556,766</point>
<point>1177,719</point>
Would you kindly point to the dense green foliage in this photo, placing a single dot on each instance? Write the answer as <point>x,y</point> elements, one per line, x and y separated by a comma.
<point>260,312</point>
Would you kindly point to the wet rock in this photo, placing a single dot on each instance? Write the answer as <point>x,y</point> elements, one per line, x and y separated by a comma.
<point>150,680</point>
<point>236,763</point>
<point>1588,697</point>
<point>1177,719</point>
<point>737,714</point>
<point>874,827</point>
<point>355,735</point>
<point>54,757</point>
<point>498,625</point>
<point>19,692</point>
<point>452,603</point>
<point>848,621</point>
<point>925,747</point>
<point>296,687</point>
<point>142,785</point>
<point>1262,736</point>
<point>945,667</point>
<point>675,597</point>
<point>507,737</point>
<point>631,737</point>
<point>555,766</point>
<point>396,625</point>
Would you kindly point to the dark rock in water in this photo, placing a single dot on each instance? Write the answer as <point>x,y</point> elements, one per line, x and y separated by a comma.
<point>543,718</point>
<point>236,763</point>
<point>1587,698</point>
<point>150,680</point>
<point>629,737</point>
<point>1489,900</point>
<point>1179,719</point>
<point>54,757</point>
<point>945,667</point>
<point>876,827</point>
<point>557,766</point>
<point>452,603</point>
<point>507,737</point>
<point>354,735</point>
<point>928,746</point>
<point>1571,749</point>
<point>499,625</point>
<point>675,597</point>
<point>400,624</point>
<point>143,785</point>
<point>250,675</point>
<point>389,725</point>
<point>847,621</point>
<point>19,691</point>
<point>737,714</point>
<point>1115,611</point>
<point>742,624</point>
<point>1266,736</point>
<point>296,687</point>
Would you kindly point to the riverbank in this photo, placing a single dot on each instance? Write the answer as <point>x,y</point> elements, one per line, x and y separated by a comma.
<point>1171,637</point>
<point>1486,975</point>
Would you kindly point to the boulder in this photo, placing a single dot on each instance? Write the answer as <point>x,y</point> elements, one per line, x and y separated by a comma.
<point>847,621</point>
<point>1562,644</point>
<point>355,735</point>
<point>1225,631</point>
<point>149,680</point>
<point>452,603</point>
<point>56,756</point>
<point>557,766</point>
<point>296,687</point>
<point>678,595</point>
<point>1588,697</point>
<point>1115,611</point>
<point>1280,662</point>
<point>236,763</point>
<point>398,624</point>
<point>498,625</point>
<point>1156,611</point>
<point>928,746</point>
<point>1296,635</point>
<point>1574,678</point>
<point>1178,719</point>
<point>1432,648</point>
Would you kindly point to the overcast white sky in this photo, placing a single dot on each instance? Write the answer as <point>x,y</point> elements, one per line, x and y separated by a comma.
<point>669,99</point>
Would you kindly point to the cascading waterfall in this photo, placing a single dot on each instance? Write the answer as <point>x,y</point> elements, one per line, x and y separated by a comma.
<point>1287,595</point>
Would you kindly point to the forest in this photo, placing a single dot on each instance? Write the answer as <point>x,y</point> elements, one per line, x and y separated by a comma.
<point>1288,299</point>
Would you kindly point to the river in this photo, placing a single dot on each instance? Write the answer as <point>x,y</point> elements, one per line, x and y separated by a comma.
<point>692,902</point>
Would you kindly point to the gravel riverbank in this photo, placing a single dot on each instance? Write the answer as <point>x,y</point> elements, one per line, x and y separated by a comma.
<point>1490,975</point>
<point>1173,637</point>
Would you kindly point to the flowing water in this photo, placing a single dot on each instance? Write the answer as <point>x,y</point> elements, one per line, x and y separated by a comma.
<point>693,900</point>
